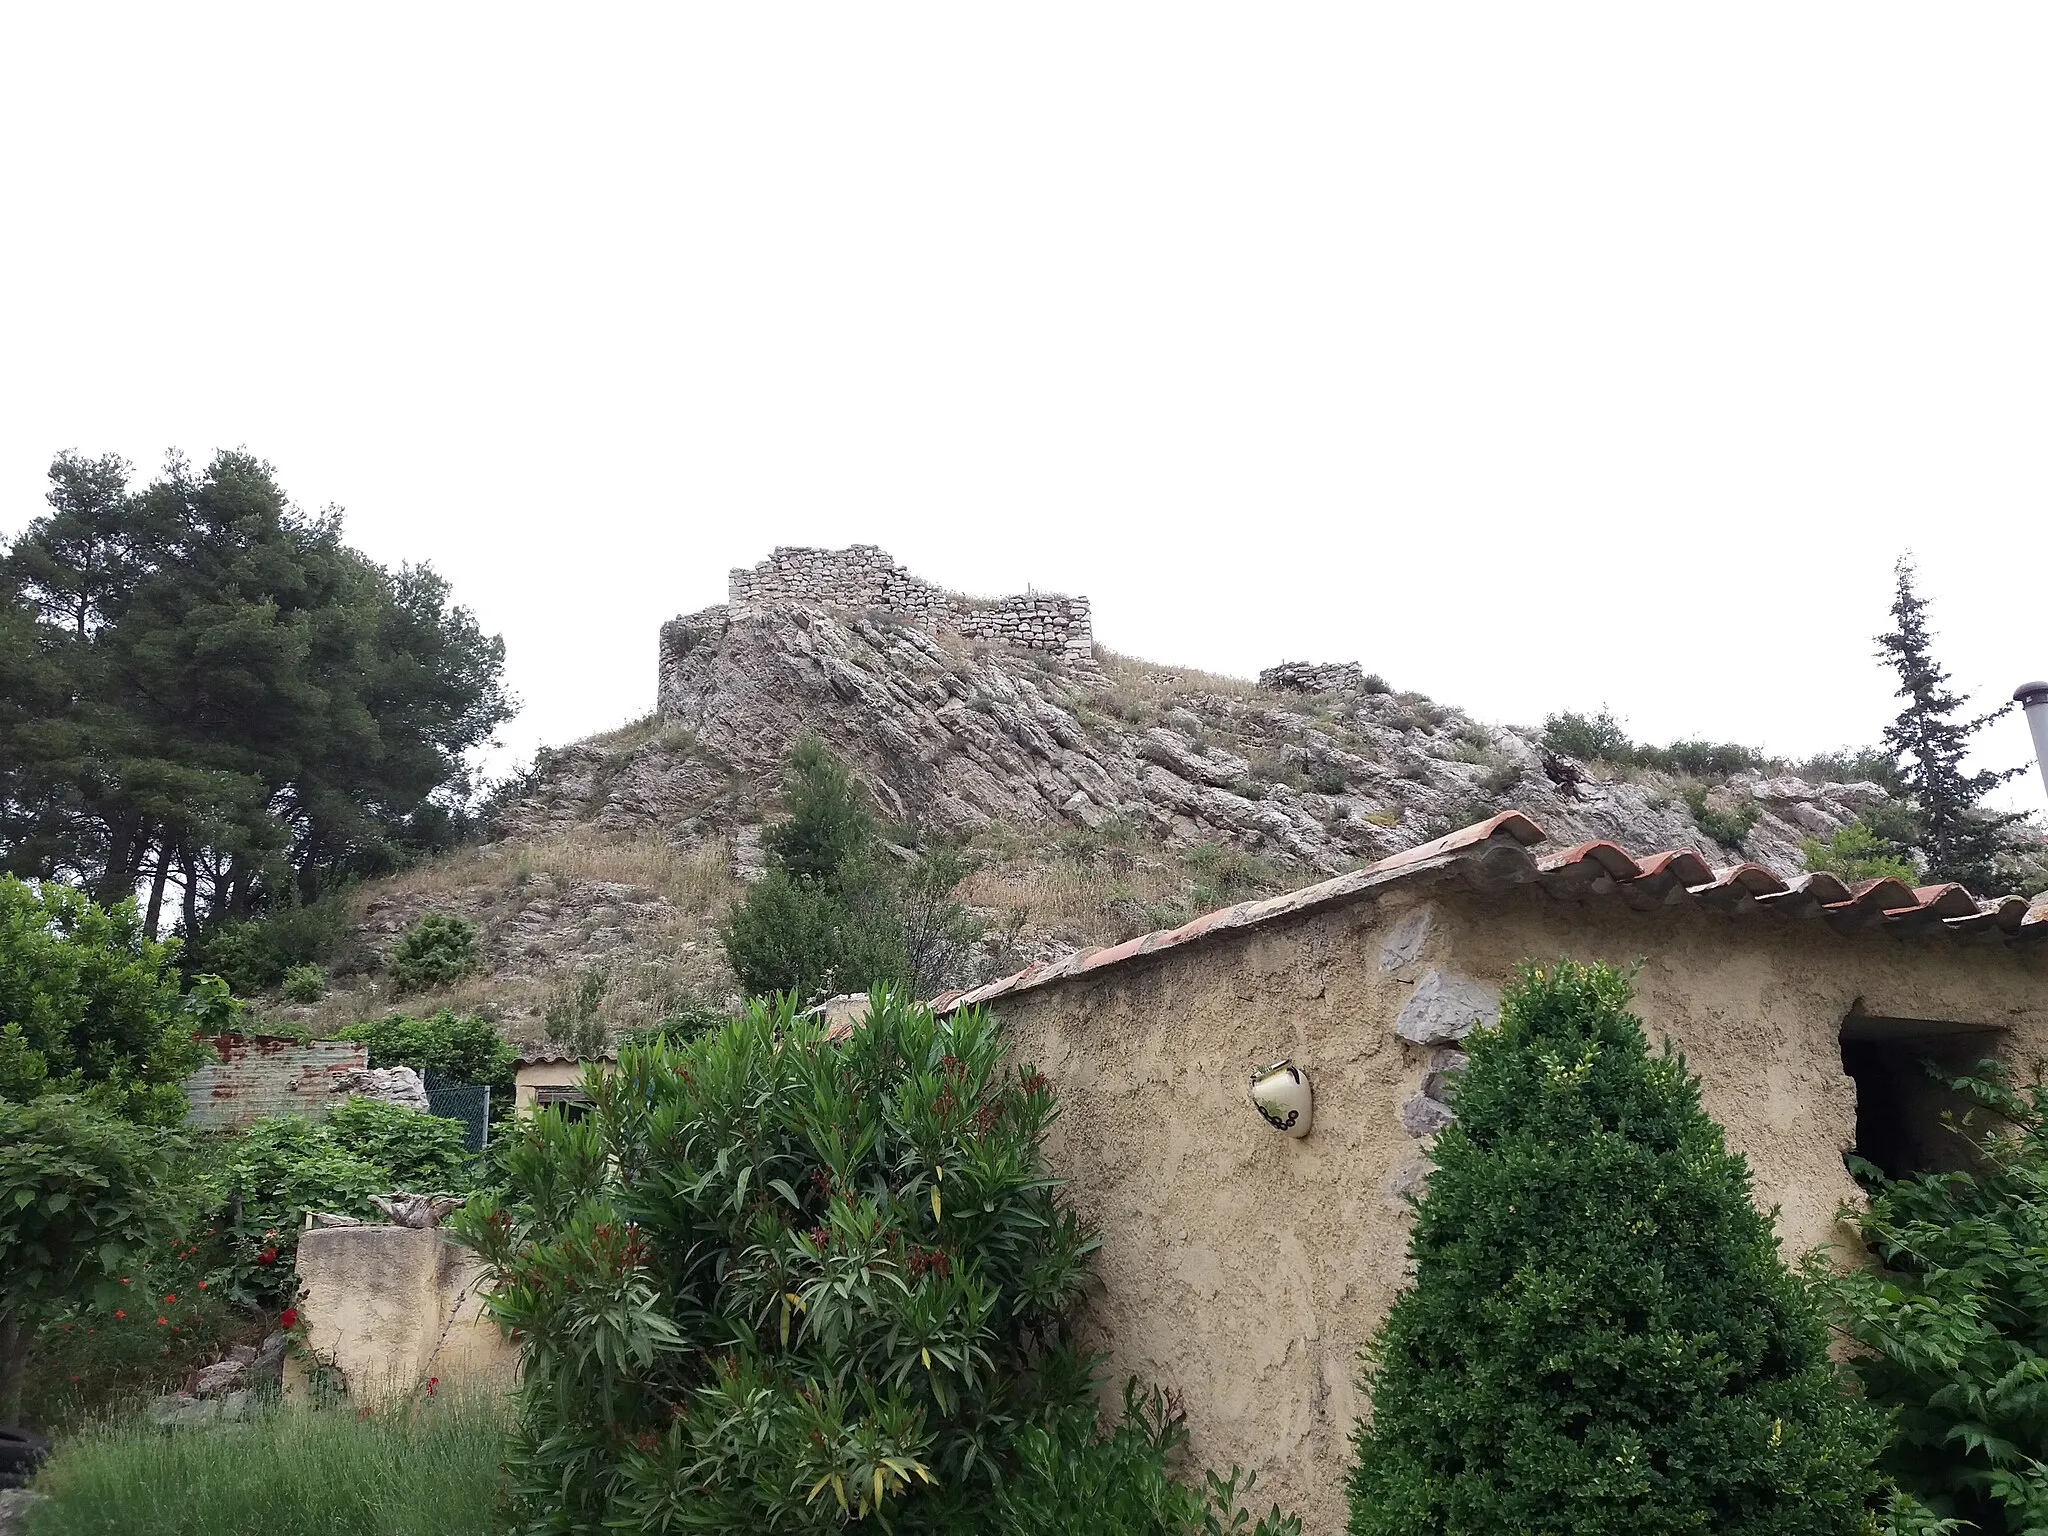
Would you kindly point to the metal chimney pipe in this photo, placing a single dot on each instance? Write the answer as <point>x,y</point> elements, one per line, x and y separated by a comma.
<point>2033,698</point>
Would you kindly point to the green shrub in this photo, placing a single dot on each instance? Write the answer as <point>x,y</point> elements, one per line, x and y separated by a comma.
<point>1600,1336</point>
<point>89,1005</point>
<point>462,1047</point>
<point>833,912</point>
<point>304,984</point>
<point>437,951</point>
<point>82,1193</point>
<point>773,1282</point>
<point>1856,852</point>
<point>256,954</point>
<point>427,1467</point>
<point>267,1178</point>
<point>1328,779</point>
<point>1728,828</point>
<point>1587,737</point>
<point>1072,1480</point>
<point>1855,765</point>
<point>1953,1318</point>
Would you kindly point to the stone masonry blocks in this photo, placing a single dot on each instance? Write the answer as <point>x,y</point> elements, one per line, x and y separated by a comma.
<point>863,576</point>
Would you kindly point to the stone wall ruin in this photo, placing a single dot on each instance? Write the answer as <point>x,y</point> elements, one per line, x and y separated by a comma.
<point>863,577</point>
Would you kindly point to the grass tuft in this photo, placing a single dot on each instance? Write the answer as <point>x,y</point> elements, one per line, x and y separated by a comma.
<point>423,1468</point>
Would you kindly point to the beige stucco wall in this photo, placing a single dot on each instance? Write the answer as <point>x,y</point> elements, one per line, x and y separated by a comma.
<point>393,1307</point>
<point>529,1078</point>
<point>1246,1270</point>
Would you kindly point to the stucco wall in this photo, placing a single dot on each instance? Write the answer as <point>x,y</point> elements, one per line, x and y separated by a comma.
<point>1246,1270</point>
<point>531,1077</point>
<point>392,1307</point>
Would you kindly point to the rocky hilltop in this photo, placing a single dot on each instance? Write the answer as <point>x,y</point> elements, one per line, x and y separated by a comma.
<point>1101,796</point>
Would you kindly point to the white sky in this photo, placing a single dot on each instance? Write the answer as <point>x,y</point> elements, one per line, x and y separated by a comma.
<point>1534,357</point>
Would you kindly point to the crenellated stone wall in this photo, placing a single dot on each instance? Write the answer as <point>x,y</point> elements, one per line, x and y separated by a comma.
<point>864,577</point>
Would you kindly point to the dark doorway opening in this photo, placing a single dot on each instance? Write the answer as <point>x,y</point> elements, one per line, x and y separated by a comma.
<point>1899,1106</point>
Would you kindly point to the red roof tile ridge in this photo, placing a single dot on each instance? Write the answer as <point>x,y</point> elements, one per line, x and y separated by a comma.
<point>1883,899</point>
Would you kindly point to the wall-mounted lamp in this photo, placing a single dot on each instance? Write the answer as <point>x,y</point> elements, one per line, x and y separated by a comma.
<point>2033,698</point>
<point>1282,1095</point>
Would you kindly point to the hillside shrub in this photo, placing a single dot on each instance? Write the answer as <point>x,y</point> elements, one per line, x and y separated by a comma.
<point>1856,852</point>
<point>1953,1316</point>
<point>1603,736</point>
<point>89,1005</point>
<point>837,910</point>
<point>437,951</point>
<point>1728,828</point>
<point>304,984</point>
<point>774,1282</point>
<point>257,954</point>
<point>1600,1336</point>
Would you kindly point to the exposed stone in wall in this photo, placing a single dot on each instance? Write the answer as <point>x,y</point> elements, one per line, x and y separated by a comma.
<point>863,577</point>
<point>1314,677</point>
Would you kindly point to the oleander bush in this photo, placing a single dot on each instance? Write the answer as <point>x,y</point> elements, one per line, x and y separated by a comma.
<point>779,1282</point>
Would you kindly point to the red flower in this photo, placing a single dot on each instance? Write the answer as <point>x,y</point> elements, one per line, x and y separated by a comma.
<point>202,1285</point>
<point>170,1296</point>
<point>161,1321</point>
<point>268,1255</point>
<point>117,1312</point>
<point>288,1318</point>
<point>432,1382</point>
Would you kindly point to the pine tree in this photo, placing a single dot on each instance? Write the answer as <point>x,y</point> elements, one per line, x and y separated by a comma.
<point>1601,1336</point>
<point>1960,839</point>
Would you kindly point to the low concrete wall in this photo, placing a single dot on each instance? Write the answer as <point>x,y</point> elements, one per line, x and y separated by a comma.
<point>392,1307</point>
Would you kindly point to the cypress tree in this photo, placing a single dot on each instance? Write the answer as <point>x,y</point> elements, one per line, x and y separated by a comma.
<point>1601,1336</point>
<point>1960,839</point>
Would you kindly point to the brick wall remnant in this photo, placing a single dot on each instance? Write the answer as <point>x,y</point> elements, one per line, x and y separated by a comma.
<point>269,1075</point>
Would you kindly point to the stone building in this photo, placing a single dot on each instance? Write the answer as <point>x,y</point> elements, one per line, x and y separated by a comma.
<point>1244,1269</point>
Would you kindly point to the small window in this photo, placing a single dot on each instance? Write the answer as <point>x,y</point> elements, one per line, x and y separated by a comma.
<point>1899,1107</point>
<point>574,1103</point>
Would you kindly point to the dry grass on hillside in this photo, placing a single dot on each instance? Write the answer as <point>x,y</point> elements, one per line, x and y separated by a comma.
<point>644,975</point>
<point>1162,684</point>
<point>695,879</point>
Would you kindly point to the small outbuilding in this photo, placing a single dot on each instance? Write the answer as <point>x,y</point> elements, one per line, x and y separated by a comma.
<point>551,1075</point>
<point>1244,1268</point>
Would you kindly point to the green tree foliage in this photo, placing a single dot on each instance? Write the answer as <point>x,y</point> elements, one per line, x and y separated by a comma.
<point>1601,1336</point>
<point>203,687</point>
<point>825,827</point>
<point>778,1283</point>
<point>458,1046</point>
<point>1929,740</point>
<point>835,911</point>
<point>437,951</point>
<point>255,954</point>
<point>1856,852</point>
<point>1953,1317</point>
<point>81,1194</point>
<point>89,1005</point>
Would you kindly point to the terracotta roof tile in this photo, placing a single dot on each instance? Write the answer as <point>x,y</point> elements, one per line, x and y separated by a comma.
<point>1493,854</point>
